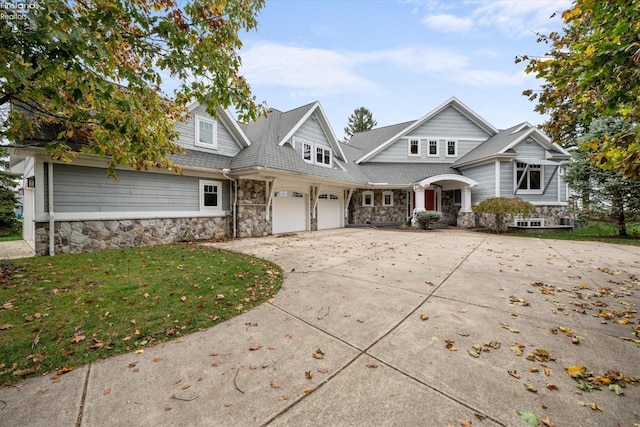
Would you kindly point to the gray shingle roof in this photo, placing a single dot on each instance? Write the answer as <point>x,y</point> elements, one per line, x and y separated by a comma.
<point>404,173</point>
<point>201,159</point>
<point>265,151</point>
<point>491,146</point>
<point>368,141</point>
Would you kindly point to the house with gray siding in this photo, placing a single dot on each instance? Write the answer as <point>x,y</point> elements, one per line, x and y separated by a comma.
<point>287,172</point>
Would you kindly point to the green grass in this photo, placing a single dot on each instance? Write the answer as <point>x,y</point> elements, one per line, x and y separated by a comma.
<point>9,238</point>
<point>593,231</point>
<point>65,311</point>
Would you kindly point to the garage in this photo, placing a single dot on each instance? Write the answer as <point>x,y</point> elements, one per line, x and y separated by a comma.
<point>329,211</point>
<point>289,212</point>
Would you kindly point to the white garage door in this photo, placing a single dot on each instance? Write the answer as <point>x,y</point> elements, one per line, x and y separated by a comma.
<point>289,212</point>
<point>329,211</point>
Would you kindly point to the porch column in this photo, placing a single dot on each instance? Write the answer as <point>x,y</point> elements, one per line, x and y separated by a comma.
<point>418,190</point>
<point>465,202</point>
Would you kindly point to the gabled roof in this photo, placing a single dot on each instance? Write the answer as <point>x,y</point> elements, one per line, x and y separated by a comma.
<point>230,123</point>
<point>270,146</point>
<point>452,102</point>
<point>369,140</point>
<point>503,144</point>
<point>200,159</point>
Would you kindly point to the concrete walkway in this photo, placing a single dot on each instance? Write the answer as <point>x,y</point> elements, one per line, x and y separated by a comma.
<point>378,327</point>
<point>16,249</point>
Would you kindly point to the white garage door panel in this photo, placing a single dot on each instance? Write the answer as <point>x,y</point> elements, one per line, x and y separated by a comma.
<point>329,211</point>
<point>288,213</point>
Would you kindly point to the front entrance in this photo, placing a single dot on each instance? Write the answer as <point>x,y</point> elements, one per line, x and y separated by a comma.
<point>429,200</point>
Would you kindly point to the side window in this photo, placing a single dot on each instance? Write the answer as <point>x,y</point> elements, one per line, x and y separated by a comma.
<point>387,198</point>
<point>206,133</point>
<point>210,195</point>
<point>367,198</point>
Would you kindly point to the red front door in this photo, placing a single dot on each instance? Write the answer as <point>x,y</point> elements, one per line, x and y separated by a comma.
<point>429,200</point>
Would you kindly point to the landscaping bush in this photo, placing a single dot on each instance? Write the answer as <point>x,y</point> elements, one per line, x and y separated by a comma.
<point>426,218</point>
<point>500,206</point>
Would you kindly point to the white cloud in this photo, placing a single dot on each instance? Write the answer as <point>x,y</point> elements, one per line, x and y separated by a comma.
<point>492,78</point>
<point>317,71</point>
<point>448,23</point>
<point>518,16</point>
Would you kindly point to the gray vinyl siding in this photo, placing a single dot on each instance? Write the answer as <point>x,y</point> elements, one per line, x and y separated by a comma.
<point>530,150</point>
<point>227,146</point>
<point>311,131</point>
<point>134,192</point>
<point>448,124</point>
<point>507,184</point>
<point>484,176</point>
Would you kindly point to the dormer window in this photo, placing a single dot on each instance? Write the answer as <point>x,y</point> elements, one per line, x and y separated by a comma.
<point>452,148</point>
<point>206,133</point>
<point>313,153</point>
<point>414,147</point>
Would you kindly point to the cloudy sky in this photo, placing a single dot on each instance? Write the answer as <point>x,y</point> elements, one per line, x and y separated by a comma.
<point>400,59</point>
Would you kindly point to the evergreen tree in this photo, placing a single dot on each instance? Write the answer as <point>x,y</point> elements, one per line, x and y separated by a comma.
<point>8,221</point>
<point>360,120</point>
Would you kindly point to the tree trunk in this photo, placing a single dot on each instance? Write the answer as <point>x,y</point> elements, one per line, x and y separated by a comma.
<point>617,209</point>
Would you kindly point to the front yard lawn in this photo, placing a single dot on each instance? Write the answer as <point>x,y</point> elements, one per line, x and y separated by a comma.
<point>592,231</point>
<point>64,311</point>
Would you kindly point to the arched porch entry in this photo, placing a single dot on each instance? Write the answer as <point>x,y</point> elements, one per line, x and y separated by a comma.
<point>428,193</point>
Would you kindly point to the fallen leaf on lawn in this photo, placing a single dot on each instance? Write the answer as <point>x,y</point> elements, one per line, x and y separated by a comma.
<point>318,354</point>
<point>529,418</point>
<point>77,338</point>
<point>256,346</point>
<point>274,384</point>
<point>449,344</point>
<point>219,296</point>
<point>6,326</point>
<point>547,372</point>
<point>423,317</point>
<point>308,375</point>
<point>517,349</point>
<point>514,374</point>
<point>567,331</point>
<point>493,344</point>
<point>551,386</point>
<point>106,391</point>
<point>183,298</point>
<point>530,388</point>
<point>594,406</point>
<point>533,369</point>
<point>139,351</point>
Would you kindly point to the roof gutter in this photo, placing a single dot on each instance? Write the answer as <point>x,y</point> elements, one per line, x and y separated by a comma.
<point>235,201</point>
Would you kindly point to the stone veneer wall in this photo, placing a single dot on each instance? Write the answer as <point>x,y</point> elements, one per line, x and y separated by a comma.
<point>252,218</point>
<point>449,209</point>
<point>89,236</point>
<point>550,214</point>
<point>359,214</point>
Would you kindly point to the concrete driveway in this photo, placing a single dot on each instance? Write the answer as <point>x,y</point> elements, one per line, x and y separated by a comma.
<point>380,327</point>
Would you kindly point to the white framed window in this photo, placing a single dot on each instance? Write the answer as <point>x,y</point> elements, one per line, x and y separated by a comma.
<point>414,147</point>
<point>529,222</point>
<point>313,153</point>
<point>387,198</point>
<point>528,178</point>
<point>367,198</point>
<point>206,132</point>
<point>323,156</point>
<point>452,148</point>
<point>210,196</point>
<point>432,148</point>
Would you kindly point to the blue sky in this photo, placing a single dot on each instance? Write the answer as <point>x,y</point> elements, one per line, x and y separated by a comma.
<point>399,59</point>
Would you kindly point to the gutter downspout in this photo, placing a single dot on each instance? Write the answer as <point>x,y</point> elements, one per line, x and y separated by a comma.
<point>235,200</point>
<point>52,246</point>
